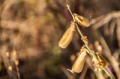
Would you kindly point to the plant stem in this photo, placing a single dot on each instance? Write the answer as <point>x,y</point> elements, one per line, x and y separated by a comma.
<point>74,20</point>
<point>86,45</point>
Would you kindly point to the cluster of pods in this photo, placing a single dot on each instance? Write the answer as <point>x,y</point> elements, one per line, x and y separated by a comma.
<point>66,39</point>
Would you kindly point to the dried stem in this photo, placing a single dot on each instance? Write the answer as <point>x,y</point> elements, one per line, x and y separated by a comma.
<point>86,44</point>
<point>17,71</point>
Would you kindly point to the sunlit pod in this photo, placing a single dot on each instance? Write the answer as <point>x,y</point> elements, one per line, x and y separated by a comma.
<point>101,61</point>
<point>82,20</point>
<point>67,36</point>
<point>79,63</point>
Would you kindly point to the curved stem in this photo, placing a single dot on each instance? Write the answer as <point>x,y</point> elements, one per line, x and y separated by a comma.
<point>86,45</point>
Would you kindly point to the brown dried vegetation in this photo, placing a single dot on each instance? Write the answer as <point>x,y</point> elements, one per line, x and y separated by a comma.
<point>33,29</point>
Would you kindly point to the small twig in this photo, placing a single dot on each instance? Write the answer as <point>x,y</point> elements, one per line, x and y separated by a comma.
<point>105,20</point>
<point>69,76</point>
<point>18,74</point>
<point>82,76</point>
<point>86,45</point>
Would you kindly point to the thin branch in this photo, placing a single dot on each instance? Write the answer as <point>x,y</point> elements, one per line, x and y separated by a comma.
<point>69,76</point>
<point>104,19</point>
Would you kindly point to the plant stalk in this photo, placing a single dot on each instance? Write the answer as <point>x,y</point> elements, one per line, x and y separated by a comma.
<point>86,45</point>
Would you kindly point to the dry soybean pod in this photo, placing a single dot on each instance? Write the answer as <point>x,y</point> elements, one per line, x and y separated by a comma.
<point>101,62</point>
<point>101,59</point>
<point>81,20</point>
<point>79,63</point>
<point>67,36</point>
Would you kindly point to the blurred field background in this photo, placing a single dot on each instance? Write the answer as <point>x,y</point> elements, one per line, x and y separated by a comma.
<point>31,29</point>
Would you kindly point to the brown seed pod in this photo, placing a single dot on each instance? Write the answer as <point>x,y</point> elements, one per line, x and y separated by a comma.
<point>67,36</point>
<point>81,20</point>
<point>79,63</point>
<point>101,61</point>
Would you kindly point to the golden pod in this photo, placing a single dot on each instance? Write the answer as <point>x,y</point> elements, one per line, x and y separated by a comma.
<point>101,61</point>
<point>81,20</point>
<point>67,36</point>
<point>79,63</point>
